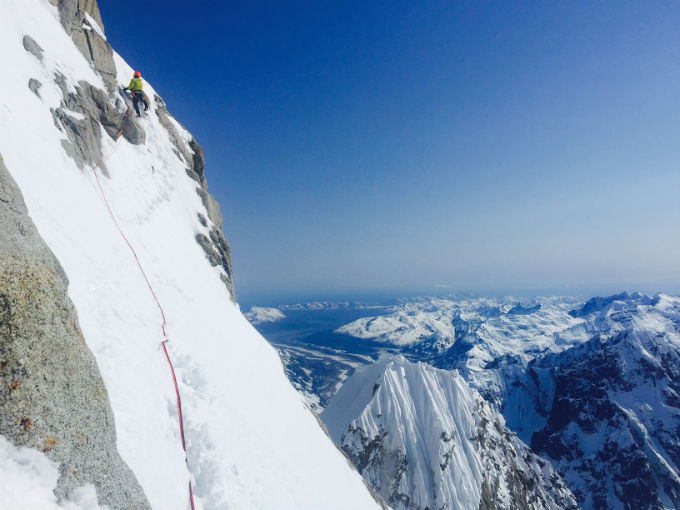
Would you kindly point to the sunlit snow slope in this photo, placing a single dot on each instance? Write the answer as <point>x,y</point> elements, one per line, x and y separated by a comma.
<point>252,442</point>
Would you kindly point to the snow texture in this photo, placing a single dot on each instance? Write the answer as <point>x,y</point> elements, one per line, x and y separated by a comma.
<point>252,441</point>
<point>28,479</point>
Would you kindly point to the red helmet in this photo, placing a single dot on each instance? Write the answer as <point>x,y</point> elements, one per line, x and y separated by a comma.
<point>138,74</point>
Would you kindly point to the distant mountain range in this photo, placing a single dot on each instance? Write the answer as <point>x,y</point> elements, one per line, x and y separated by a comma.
<point>591,386</point>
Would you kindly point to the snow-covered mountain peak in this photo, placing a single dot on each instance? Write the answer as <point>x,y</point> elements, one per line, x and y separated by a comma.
<point>606,412</point>
<point>259,314</point>
<point>425,439</point>
<point>609,304</point>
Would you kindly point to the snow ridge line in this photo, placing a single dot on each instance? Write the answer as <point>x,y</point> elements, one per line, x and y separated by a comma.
<point>153,294</point>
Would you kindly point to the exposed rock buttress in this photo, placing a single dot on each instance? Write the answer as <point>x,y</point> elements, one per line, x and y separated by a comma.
<point>52,396</point>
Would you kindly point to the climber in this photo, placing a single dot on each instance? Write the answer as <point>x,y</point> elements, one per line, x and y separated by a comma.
<point>138,95</point>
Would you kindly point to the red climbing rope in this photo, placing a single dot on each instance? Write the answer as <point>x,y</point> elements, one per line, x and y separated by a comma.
<point>153,294</point>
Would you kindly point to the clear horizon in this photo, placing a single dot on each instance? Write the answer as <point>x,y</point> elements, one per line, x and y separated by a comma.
<point>496,145</point>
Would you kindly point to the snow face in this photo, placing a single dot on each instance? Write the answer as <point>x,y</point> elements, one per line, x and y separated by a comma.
<point>258,315</point>
<point>424,439</point>
<point>252,442</point>
<point>91,24</point>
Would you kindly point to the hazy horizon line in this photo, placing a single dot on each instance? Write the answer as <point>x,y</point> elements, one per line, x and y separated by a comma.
<point>297,296</point>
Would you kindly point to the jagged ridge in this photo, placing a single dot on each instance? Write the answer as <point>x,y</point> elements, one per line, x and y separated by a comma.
<point>424,439</point>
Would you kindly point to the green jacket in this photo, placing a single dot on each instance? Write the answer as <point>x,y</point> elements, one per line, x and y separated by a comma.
<point>135,84</point>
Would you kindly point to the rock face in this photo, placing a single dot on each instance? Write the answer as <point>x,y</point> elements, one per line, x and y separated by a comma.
<point>424,439</point>
<point>52,396</point>
<point>188,150</point>
<point>31,46</point>
<point>82,112</point>
<point>34,86</point>
<point>615,422</point>
<point>82,115</point>
<point>88,35</point>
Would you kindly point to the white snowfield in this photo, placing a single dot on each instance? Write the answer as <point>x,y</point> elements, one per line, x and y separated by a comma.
<point>252,441</point>
<point>28,478</point>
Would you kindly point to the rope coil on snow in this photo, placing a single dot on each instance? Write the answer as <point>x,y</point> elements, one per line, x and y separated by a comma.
<point>153,294</point>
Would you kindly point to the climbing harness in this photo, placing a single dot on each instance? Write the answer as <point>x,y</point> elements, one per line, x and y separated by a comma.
<point>153,294</point>
<point>138,96</point>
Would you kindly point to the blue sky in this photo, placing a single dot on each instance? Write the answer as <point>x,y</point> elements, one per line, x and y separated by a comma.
<point>359,146</point>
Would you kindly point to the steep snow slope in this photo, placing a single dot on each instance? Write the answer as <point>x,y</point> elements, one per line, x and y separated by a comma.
<point>425,439</point>
<point>252,442</point>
